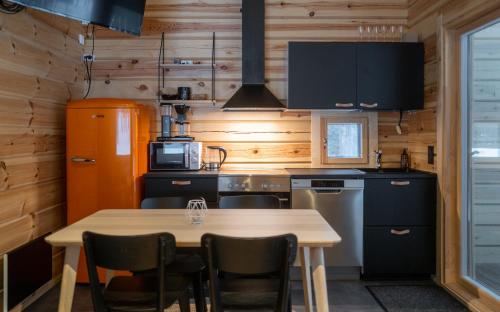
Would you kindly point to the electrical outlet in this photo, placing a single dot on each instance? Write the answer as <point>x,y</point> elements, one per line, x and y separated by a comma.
<point>81,39</point>
<point>88,57</point>
<point>430,155</point>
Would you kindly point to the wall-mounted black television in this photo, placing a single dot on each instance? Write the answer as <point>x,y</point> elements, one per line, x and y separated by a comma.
<point>121,15</point>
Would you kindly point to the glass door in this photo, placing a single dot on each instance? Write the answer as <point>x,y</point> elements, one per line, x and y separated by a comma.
<point>480,68</point>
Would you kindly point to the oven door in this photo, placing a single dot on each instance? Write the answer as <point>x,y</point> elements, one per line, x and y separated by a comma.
<point>168,156</point>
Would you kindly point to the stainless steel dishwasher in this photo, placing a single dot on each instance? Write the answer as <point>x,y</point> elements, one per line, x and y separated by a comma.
<point>340,202</point>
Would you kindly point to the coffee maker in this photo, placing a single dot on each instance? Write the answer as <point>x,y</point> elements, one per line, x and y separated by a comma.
<point>181,123</point>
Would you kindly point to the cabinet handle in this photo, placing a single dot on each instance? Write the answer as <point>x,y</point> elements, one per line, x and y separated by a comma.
<point>344,105</point>
<point>400,232</point>
<point>373,105</point>
<point>400,183</point>
<point>82,160</point>
<point>181,183</point>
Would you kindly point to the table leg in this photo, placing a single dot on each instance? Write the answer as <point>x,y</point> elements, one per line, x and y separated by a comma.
<point>199,292</point>
<point>71,257</point>
<point>305,266</point>
<point>319,279</point>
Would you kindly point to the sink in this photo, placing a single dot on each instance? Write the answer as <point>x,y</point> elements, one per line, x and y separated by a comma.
<point>385,170</point>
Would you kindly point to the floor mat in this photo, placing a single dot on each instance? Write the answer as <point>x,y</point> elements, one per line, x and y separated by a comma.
<point>399,298</point>
<point>175,308</point>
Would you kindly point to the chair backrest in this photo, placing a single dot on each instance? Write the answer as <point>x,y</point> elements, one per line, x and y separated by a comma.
<point>172,202</point>
<point>130,253</point>
<point>127,253</point>
<point>250,256</point>
<point>250,202</point>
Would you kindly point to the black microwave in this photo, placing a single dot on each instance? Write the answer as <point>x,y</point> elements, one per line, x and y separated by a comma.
<point>174,156</point>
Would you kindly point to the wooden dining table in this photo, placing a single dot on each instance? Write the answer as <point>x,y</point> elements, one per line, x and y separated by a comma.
<point>311,229</point>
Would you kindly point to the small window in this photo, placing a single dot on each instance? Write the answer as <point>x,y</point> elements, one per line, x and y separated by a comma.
<point>345,140</point>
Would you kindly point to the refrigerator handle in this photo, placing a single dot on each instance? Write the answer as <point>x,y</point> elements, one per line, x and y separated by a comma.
<point>82,160</point>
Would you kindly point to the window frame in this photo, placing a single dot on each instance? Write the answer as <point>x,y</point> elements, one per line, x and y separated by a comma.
<point>325,160</point>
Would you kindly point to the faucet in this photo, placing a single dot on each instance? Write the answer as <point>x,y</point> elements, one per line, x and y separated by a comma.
<point>378,159</point>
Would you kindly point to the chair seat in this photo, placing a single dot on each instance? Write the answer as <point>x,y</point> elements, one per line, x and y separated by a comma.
<point>249,292</point>
<point>138,293</point>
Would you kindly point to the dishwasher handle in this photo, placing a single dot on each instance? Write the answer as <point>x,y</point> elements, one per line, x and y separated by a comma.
<point>331,191</point>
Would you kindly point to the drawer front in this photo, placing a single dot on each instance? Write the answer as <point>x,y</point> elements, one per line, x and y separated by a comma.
<point>189,187</point>
<point>399,251</point>
<point>399,202</point>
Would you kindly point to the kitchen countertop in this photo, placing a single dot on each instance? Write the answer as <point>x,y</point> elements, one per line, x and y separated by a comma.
<point>325,173</point>
<point>182,173</point>
<point>368,173</point>
<point>255,172</point>
<point>232,172</point>
<point>299,173</point>
<point>394,173</point>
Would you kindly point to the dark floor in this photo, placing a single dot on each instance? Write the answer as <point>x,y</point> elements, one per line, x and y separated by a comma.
<point>348,296</point>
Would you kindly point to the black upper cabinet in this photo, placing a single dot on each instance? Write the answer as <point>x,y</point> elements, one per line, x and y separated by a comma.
<point>321,75</point>
<point>390,76</point>
<point>371,76</point>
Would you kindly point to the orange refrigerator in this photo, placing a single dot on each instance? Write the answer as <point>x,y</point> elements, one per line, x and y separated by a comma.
<point>106,156</point>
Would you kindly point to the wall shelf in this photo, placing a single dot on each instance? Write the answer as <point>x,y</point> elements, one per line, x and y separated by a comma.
<point>162,66</point>
<point>188,66</point>
<point>193,103</point>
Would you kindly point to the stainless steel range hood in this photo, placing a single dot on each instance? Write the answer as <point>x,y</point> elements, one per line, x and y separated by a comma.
<point>253,94</point>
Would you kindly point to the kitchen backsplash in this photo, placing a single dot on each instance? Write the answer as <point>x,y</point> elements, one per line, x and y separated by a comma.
<point>281,139</point>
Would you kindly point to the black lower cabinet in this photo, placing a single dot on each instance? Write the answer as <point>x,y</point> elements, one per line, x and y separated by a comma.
<point>399,226</point>
<point>399,251</point>
<point>190,187</point>
<point>407,201</point>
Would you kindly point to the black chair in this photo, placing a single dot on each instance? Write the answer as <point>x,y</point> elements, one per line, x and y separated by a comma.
<point>250,201</point>
<point>249,273</point>
<point>173,202</point>
<point>153,292</point>
<point>188,261</point>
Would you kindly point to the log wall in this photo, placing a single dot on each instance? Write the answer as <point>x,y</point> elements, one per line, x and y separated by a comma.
<point>126,67</point>
<point>422,124</point>
<point>39,71</point>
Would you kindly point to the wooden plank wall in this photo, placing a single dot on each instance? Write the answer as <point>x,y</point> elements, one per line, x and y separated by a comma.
<point>39,71</point>
<point>422,124</point>
<point>126,67</point>
<point>422,19</point>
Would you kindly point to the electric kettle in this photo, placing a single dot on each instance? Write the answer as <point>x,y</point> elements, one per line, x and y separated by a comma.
<point>215,155</point>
